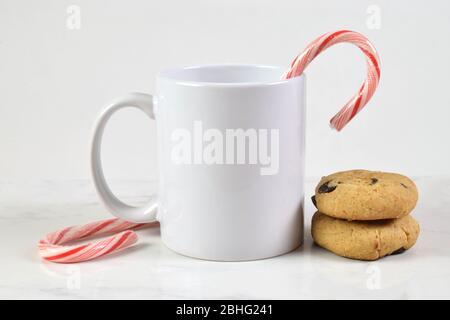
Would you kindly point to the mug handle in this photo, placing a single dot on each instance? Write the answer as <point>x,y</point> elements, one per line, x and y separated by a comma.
<point>145,213</point>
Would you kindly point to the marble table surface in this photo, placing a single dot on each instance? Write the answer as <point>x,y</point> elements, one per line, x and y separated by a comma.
<point>28,210</point>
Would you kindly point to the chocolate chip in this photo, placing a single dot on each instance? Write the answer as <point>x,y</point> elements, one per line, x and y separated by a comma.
<point>325,188</point>
<point>404,186</point>
<point>399,251</point>
<point>313,199</point>
<point>373,181</point>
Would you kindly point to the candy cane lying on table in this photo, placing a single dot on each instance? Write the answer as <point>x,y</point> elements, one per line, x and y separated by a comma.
<point>51,247</point>
<point>366,91</point>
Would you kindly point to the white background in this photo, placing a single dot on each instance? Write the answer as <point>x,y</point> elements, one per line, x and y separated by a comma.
<point>54,80</point>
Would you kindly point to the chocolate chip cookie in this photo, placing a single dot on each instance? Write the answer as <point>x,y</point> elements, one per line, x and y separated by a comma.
<point>364,240</point>
<point>365,195</point>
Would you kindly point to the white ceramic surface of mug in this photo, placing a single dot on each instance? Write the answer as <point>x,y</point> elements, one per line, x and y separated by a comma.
<point>231,160</point>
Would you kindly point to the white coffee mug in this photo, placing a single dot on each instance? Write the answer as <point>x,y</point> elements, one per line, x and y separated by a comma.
<point>231,160</point>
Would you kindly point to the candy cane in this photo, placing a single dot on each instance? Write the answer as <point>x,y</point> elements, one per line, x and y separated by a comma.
<point>366,91</point>
<point>51,247</point>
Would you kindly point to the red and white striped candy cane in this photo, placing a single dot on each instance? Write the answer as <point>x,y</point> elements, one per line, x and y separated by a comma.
<point>352,107</point>
<point>51,247</point>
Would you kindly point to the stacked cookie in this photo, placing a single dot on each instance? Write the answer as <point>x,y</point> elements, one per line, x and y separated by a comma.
<point>365,214</point>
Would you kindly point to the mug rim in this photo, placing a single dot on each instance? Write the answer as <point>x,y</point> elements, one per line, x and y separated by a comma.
<point>164,74</point>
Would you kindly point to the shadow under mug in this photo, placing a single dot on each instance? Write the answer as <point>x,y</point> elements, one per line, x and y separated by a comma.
<point>231,143</point>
